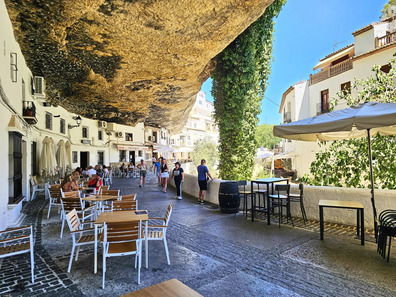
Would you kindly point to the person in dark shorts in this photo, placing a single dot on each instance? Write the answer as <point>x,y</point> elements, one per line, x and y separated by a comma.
<point>203,177</point>
<point>178,176</point>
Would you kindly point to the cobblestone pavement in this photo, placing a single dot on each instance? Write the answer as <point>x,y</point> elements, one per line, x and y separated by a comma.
<point>216,254</point>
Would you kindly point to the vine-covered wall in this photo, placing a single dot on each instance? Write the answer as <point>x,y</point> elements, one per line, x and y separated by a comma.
<point>239,83</point>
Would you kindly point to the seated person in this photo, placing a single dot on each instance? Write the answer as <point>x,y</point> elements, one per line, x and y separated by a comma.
<point>95,182</point>
<point>68,184</point>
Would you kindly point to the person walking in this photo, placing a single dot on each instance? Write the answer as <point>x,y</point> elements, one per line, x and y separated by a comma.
<point>157,170</point>
<point>142,173</point>
<point>178,176</point>
<point>203,177</point>
<point>164,175</point>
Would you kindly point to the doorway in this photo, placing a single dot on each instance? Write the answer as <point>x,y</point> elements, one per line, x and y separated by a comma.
<point>132,157</point>
<point>84,159</point>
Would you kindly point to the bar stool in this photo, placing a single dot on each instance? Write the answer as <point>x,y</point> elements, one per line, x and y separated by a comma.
<point>280,199</point>
<point>245,195</point>
<point>300,198</point>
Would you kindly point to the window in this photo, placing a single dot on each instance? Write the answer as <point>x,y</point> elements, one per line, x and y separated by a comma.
<point>34,159</point>
<point>23,90</point>
<point>62,126</point>
<point>128,137</point>
<point>100,157</point>
<point>122,156</point>
<point>346,87</point>
<point>324,101</point>
<point>100,135</point>
<point>15,167</point>
<point>140,153</point>
<point>386,68</point>
<point>74,157</point>
<point>85,132</point>
<point>48,121</point>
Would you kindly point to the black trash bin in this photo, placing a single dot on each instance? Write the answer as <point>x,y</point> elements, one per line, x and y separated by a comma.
<point>229,199</point>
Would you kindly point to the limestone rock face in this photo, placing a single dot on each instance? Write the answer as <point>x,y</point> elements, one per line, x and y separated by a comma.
<point>127,61</point>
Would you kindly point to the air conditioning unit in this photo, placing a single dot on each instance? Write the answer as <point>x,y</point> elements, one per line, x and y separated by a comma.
<point>102,124</point>
<point>110,126</point>
<point>118,134</point>
<point>47,104</point>
<point>150,138</point>
<point>39,87</point>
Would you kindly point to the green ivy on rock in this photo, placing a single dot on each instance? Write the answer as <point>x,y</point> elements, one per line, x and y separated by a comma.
<point>239,83</point>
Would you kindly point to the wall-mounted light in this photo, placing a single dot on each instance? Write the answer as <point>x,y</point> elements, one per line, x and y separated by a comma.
<point>78,122</point>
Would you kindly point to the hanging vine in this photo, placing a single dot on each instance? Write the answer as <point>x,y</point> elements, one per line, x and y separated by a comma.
<point>239,83</point>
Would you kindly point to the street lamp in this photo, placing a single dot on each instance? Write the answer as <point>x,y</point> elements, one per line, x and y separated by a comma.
<point>78,122</point>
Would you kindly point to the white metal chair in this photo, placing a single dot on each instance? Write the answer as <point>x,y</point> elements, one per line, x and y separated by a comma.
<point>72,200</point>
<point>80,236</point>
<point>36,188</point>
<point>54,194</point>
<point>122,239</point>
<point>17,242</point>
<point>157,230</point>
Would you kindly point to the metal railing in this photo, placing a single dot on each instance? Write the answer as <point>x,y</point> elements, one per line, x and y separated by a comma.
<point>331,71</point>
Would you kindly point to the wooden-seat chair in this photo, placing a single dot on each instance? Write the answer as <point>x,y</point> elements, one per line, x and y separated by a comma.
<point>157,230</point>
<point>129,197</point>
<point>124,205</point>
<point>109,192</point>
<point>36,187</point>
<point>54,194</point>
<point>122,239</point>
<point>18,241</point>
<point>80,235</point>
<point>72,200</point>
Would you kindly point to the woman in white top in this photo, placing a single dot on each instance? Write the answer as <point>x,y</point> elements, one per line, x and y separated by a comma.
<point>143,172</point>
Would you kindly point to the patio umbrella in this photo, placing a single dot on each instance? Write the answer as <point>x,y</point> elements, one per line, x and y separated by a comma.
<point>61,156</point>
<point>364,120</point>
<point>45,163</point>
<point>68,154</point>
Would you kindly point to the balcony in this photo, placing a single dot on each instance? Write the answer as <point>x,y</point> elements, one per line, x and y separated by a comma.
<point>29,112</point>
<point>385,40</point>
<point>330,71</point>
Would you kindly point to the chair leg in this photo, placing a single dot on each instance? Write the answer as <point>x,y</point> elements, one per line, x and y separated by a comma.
<point>289,213</point>
<point>103,269</point>
<point>49,209</point>
<point>77,252</point>
<point>146,251</point>
<point>140,260</point>
<point>71,259</point>
<point>280,212</point>
<point>304,216</point>
<point>166,250</point>
<point>63,225</point>
<point>32,261</point>
<point>389,248</point>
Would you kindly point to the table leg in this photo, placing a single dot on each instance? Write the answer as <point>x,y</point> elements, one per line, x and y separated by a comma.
<point>251,200</point>
<point>96,249</point>
<point>321,222</point>
<point>358,222</point>
<point>362,226</point>
<point>253,205</point>
<point>268,207</point>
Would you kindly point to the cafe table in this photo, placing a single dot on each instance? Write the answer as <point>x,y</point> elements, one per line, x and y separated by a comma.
<point>269,182</point>
<point>120,217</point>
<point>169,288</point>
<point>99,199</point>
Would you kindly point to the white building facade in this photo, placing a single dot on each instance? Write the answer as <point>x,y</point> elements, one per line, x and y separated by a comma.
<point>374,44</point>
<point>200,126</point>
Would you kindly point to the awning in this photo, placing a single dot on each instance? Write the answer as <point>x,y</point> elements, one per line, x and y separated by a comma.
<point>182,149</point>
<point>16,125</point>
<point>161,148</point>
<point>126,147</point>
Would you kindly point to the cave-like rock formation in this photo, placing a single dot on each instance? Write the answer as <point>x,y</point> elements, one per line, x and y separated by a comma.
<point>128,60</point>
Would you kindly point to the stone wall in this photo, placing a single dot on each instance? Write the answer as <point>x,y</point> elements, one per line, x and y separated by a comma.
<point>385,199</point>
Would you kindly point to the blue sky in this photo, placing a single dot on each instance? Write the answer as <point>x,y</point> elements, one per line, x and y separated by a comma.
<point>306,31</point>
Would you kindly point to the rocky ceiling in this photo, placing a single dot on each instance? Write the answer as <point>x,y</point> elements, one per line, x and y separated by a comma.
<point>127,61</point>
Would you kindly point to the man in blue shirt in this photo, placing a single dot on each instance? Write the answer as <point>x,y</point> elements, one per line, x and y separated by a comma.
<point>203,176</point>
